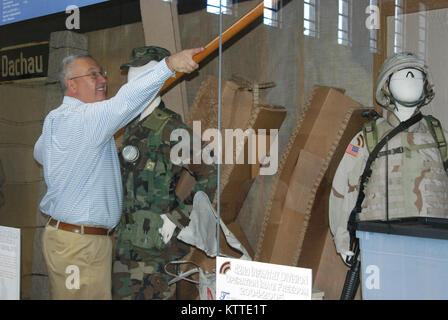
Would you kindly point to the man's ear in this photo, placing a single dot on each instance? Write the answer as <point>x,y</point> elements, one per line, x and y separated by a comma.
<point>70,85</point>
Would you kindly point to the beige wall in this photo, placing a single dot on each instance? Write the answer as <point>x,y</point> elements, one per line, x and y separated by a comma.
<point>22,106</point>
<point>329,64</point>
<point>111,48</point>
<point>429,43</point>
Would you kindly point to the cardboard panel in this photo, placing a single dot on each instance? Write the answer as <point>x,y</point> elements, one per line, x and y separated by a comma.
<point>238,112</point>
<point>301,172</point>
<point>318,249</point>
<point>307,169</point>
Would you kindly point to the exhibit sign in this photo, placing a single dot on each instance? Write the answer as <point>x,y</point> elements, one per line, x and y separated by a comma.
<point>24,61</point>
<point>238,279</point>
<point>18,10</point>
<point>9,263</point>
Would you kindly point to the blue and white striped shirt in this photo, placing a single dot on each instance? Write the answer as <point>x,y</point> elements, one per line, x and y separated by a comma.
<point>79,156</point>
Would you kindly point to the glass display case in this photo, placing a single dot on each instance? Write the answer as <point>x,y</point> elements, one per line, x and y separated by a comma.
<point>282,88</point>
<point>284,59</point>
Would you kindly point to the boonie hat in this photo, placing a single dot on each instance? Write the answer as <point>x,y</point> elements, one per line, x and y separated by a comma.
<point>142,55</point>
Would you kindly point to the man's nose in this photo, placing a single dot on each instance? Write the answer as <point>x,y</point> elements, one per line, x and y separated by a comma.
<point>101,78</point>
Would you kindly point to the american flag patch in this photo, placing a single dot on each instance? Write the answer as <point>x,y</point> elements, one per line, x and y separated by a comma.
<point>352,150</point>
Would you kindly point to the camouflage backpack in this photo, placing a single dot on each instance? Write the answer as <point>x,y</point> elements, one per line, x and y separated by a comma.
<point>370,132</point>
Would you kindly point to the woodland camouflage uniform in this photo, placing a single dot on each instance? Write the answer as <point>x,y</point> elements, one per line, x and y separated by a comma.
<point>149,186</point>
<point>149,191</point>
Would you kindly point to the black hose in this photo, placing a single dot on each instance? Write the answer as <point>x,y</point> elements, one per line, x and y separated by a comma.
<point>351,283</point>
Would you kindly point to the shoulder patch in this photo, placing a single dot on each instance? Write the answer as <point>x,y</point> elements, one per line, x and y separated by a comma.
<point>360,140</point>
<point>156,120</point>
<point>352,150</point>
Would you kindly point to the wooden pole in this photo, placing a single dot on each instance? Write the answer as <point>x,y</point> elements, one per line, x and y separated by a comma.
<point>235,28</point>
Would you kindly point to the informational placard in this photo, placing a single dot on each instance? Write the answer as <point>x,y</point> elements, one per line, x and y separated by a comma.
<point>9,263</point>
<point>24,62</point>
<point>249,280</point>
<point>17,10</point>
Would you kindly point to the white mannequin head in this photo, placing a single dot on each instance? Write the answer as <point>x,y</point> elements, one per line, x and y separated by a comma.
<point>406,86</point>
<point>133,72</point>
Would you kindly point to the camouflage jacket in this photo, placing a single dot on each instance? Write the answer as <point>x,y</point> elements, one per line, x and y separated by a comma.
<point>417,181</point>
<point>149,183</point>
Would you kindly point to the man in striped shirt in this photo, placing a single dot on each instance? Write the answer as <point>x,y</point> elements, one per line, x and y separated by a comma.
<point>82,172</point>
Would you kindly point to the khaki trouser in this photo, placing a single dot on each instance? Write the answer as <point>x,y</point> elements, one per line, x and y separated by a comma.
<point>79,265</point>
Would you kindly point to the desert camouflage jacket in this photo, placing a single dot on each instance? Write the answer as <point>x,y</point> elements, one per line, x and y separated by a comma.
<point>417,181</point>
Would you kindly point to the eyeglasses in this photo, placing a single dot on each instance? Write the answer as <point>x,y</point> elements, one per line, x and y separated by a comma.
<point>93,75</point>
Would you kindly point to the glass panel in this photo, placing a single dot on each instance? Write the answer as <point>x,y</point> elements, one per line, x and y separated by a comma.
<point>274,63</point>
<point>310,18</point>
<point>279,59</point>
<point>344,22</point>
<point>290,55</point>
<point>213,6</point>
<point>344,7</point>
<point>270,13</point>
<point>421,29</point>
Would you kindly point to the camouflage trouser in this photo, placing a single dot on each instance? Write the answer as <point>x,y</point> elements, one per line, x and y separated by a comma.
<point>138,273</point>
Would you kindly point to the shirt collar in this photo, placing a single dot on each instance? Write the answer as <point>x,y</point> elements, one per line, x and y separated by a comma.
<point>71,101</point>
<point>391,118</point>
<point>394,121</point>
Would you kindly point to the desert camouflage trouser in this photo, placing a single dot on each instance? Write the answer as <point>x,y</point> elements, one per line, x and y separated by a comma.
<point>138,273</point>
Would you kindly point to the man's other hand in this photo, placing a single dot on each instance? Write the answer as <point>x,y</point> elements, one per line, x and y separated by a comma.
<point>183,61</point>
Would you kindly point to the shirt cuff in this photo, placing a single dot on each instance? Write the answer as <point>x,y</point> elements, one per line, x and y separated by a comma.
<point>166,68</point>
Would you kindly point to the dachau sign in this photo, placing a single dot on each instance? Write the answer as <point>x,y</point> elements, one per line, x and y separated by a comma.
<point>24,62</point>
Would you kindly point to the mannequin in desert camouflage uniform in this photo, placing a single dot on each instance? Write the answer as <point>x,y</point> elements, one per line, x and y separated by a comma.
<point>417,178</point>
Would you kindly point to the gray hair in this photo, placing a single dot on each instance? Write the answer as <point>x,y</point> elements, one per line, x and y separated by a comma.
<point>65,67</point>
